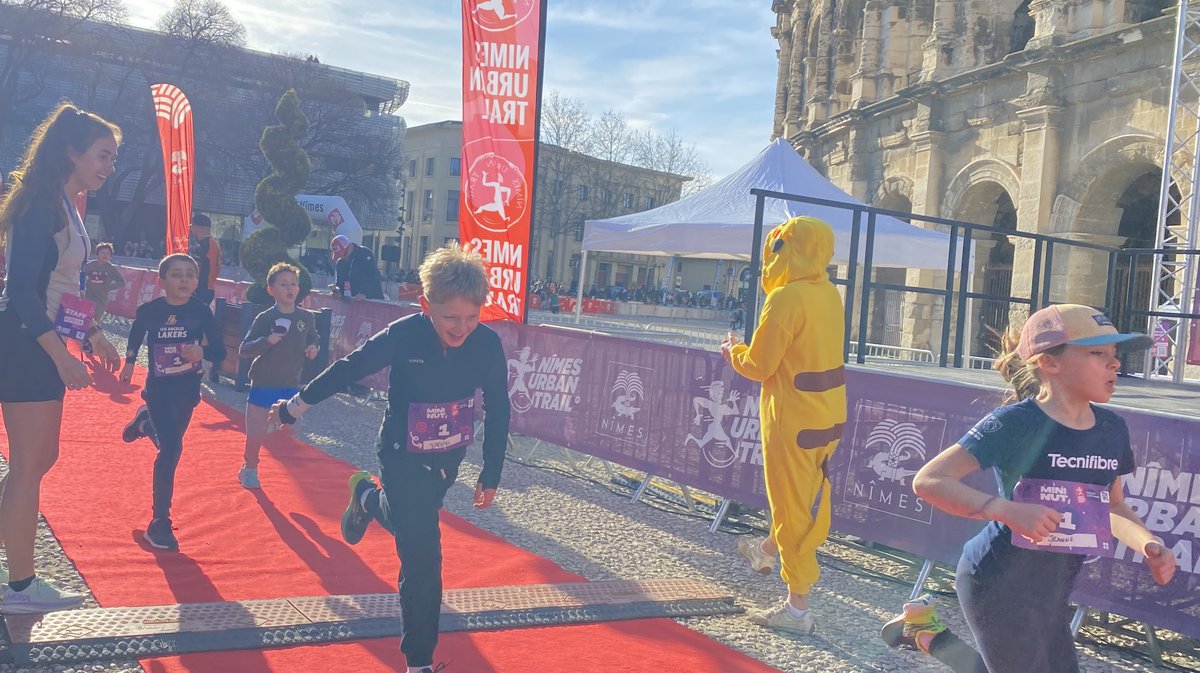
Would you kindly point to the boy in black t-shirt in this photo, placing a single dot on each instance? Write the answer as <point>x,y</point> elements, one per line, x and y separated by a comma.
<point>439,360</point>
<point>180,332</point>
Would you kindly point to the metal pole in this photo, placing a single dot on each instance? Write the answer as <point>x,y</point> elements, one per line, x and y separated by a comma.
<point>760,202</point>
<point>579,290</point>
<point>864,304</point>
<point>964,275</point>
<point>1077,620</point>
<point>641,489</point>
<point>851,282</point>
<point>922,576</point>
<point>722,511</point>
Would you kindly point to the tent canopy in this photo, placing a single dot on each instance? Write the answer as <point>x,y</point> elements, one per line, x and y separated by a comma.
<point>718,222</point>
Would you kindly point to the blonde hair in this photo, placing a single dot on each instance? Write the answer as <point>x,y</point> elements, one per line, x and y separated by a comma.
<point>1021,375</point>
<point>46,167</point>
<point>451,272</point>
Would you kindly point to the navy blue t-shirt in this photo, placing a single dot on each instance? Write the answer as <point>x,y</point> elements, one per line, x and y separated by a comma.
<point>1020,440</point>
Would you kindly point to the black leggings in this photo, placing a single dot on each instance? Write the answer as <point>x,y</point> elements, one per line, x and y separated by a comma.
<point>1020,615</point>
<point>407,506</point>
<point>170,401</point>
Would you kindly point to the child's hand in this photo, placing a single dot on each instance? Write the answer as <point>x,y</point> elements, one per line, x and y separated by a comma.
<point>127,373</point>
<point>484,496</point>
<point>1035,522</point>
<point>1161,562</point>
<point>727,345</point>
<point>311,352</point>
<point>274,338</point>
<point>192,352</point>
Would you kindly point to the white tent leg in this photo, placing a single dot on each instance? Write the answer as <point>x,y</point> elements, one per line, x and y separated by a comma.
<point>579,290</point>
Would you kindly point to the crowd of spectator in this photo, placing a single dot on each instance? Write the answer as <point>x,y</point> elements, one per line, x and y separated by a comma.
<point>143,248</point>
<point>549,291</point>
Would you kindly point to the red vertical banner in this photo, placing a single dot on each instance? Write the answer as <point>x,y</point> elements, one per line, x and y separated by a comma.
<point>174,114</point>
<point>502,57</point>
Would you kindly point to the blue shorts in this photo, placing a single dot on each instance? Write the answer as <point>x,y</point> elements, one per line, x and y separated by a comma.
<point>267,397</point>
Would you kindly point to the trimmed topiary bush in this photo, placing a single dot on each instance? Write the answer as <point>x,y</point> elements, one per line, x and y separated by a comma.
<point>286,223</point>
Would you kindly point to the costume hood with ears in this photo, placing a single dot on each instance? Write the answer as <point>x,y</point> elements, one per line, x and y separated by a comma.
<point>800,249</point>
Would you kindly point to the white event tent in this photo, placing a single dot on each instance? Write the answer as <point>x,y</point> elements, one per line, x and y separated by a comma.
<point>718,221</point>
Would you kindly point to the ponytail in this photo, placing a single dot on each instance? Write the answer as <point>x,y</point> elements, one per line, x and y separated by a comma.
<point>1021,375</point>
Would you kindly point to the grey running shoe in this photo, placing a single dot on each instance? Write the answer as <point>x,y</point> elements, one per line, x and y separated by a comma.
<point>37,598</point>
<point>780,619</point>
<point>248,477</point>
<point>160,536</point>
<point>355,519</point>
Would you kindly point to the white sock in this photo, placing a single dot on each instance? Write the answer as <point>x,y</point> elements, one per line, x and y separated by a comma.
<point>362,502</point>
<point>417,669</point>
<point>795,611</point>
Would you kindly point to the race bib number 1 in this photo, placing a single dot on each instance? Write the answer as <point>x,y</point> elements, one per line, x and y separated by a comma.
<point>168,360</point>
<point>440,426</point>
<point>1085,527</point>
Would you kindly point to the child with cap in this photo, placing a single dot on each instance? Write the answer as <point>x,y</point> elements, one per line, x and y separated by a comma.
<point>1015,577</point>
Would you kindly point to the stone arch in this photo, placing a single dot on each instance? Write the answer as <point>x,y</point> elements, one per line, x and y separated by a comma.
<point>985,192</point>
<point>1093,207</point>
<point>1088,204</point>
<point>894,193</point>
<point>983,180</point>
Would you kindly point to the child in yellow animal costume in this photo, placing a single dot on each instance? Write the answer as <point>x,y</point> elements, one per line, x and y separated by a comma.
<point>798,355</point>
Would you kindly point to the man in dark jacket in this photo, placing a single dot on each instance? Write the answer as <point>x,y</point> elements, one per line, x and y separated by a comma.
<point>355,272</point>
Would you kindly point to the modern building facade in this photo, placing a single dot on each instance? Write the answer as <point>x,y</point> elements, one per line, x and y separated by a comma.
<point>571,187</point>
<point>1036,116</point>
<point>354,141</point>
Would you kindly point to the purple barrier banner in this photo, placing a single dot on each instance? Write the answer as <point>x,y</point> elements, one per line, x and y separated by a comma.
<point>1164,492</point>
<point>685,415</point>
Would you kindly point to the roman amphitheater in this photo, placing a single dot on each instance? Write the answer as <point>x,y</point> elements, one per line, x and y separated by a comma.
<point>1042,116</point>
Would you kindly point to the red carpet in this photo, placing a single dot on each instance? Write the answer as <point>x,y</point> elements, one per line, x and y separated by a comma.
<point>284,541</point>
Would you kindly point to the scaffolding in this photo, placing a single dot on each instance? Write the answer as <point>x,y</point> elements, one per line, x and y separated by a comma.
<point>1178,206</point>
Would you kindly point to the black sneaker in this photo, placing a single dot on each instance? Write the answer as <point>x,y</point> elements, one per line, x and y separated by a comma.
<point>133,429</point>
<point>160,536</point>
<point>355,519</point>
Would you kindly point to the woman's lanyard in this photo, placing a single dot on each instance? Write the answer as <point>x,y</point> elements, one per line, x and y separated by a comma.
<point>79,230</point>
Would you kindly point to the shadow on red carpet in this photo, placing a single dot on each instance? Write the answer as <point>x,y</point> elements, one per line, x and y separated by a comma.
<point>284,540</point>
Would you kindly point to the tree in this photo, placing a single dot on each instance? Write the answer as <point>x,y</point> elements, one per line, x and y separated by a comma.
<point>573,186</point>
<point>205,28</point>
<point>287,222</point>
<point>32,30</point>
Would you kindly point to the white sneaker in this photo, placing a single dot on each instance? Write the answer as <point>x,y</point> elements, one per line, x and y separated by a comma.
<point>781,619</point>
<point>39,597</point>
<point>751,549</point>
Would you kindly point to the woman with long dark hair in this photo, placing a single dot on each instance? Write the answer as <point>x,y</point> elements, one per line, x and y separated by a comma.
<point>71,151</point>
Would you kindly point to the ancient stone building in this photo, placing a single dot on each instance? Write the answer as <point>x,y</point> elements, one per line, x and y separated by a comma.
<point>1037,115</point>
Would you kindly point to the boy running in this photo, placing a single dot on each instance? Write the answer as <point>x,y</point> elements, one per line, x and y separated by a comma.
<point>439,359</point>
<point>173,326</point>
<point>279,341</point>
<point>102,278</point>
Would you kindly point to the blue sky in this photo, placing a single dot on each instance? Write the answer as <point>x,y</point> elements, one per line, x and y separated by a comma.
<point>706,67</point>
